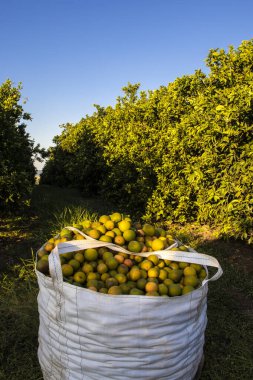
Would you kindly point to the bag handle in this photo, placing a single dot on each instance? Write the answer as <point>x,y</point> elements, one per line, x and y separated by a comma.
<point>78,245</point>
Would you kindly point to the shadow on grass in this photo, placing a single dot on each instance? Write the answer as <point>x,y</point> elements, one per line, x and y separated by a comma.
<point>229,333</point>
<point>52,208</point>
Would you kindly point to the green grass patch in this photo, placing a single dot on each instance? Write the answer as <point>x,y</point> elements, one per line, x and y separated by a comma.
<point>19,324</point>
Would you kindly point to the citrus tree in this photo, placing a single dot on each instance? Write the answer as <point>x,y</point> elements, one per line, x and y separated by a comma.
<point>16,150</point>
<point>181,153</point>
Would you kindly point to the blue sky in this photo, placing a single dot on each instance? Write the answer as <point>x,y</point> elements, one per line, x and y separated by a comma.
<point>70,54</point>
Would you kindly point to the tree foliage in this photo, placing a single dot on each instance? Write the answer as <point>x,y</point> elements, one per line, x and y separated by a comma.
<point>16,150</point>
<point>182,152</point>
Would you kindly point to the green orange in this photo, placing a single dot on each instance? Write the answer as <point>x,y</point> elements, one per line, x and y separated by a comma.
<point>106,238</point>
<point>129,235</point>
<point>91,254</point>
<point>116,217</point>
<point>134,274</point>
<point>42,266</point>
<point>79,277</point>
<point>67,270</point>
<point>134,246</point>
<point>148,229</point>
<point>175,290</point>
<point>191,280</point>
<point>115,290</point>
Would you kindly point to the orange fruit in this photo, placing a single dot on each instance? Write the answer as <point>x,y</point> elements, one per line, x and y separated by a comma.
<point>174,265</point>
<point>136,292</point>
<point>168,282</point>
<point>128,262</point>
<point>111,281</point>
<point>135,274</point>
<point>151,287</point>
<point>146,264</point>
<point>95,234</point>
<point>104,276</point>
<point>45,257</point>
<point>49,246</point>
<point>103,290</point>
<point>122,268</point>
<point>115,290</point>
<point>163,274</point>
<point>87,268</point>
<point>109,225</point>
<point>112,263</point>
<point>119,258</point>
<point>121,278</point>
<point>202,274</point>
<point>148,229</point>
<point>74,263</point>
<point>134,246</point>
<point>175,275</point>
<point>157,245</point>
<point>124,225</point>
<point>191,280</point>
<point>197,267</point>
<point>91,254</point>
<point>110,233</point>
<point>116,217</point>
<point>175,290</point>
<point>102,268</point>
<point>41,252</point>
<point>67,270</point>
<point>104,218</point>
<point>43,266</point>
<point>68,255</point>
<point>117,231</point>
<point>189,271</point>
<point>187,289</point>
<point>93,276</point>
<point>106,238</point>
<point>125,288</point>
<point>153,272</point>
<point>129,235</point>
<point>162,289</point>
<point>152,294</point>
<point>141,283</point>
<point>79,277</point>
<point>154,259</point>
<point>119,240</point>
<point>79,257</point>
<point>107,255</point>
<point>102,229</point>
<point>183,265</point>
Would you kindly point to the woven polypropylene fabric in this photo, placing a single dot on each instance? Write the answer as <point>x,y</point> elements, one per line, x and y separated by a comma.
<point>85,335</point>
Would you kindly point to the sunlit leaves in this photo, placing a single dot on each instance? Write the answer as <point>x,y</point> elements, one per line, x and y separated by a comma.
<point>182,152</point>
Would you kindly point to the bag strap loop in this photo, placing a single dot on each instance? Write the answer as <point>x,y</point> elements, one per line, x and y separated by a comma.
<point>78,245</point>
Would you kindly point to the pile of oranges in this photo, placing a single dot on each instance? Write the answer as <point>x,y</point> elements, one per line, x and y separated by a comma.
<point>118,273</point>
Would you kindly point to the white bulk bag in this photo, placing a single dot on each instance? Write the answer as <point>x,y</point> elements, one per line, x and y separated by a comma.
<point>86,335</point>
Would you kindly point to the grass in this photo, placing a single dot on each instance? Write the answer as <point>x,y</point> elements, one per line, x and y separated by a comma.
<point>229,334</point>
<point>19,325</point>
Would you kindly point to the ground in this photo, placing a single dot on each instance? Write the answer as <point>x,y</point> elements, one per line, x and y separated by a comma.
<point>229,333</point>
